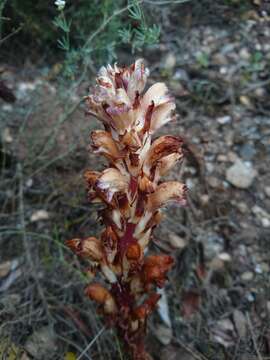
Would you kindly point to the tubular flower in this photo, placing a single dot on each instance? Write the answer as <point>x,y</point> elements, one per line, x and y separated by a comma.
<point>132,195</point>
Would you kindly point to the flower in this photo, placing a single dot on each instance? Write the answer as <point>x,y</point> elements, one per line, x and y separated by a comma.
<point>132,196</point>
<point>60,4</point>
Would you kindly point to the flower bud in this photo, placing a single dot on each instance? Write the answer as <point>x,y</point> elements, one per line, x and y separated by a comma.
<point>89,248</point>
<point>102,296</point>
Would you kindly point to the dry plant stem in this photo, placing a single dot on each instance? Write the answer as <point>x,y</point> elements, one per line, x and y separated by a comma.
<point>133,195</point>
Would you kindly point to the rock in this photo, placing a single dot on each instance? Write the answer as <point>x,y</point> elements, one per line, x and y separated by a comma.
<point>181,75</point>
<point>222,158</point>
<point>262,216</point>
<point>244,100</point>
<point>265,267</point>
<point>163,334</point>
<point>213,246</point>
<point>267,191</point>
<point>240,175</point>
<point>213,181</point>
<point>244,54</point>
<point>176,241</point>
<point>225,257</point>
<point>6,136</point>
<point>223,120</point>
<point>39,215</point>
<point>247,152</point>
<point>265,222</point>
<point>243,208</point>
<point>247,276</point>
<point>169,61</point>
<point>41,344</point>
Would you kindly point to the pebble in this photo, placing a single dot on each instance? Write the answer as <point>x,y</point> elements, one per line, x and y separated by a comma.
<point>267,191</point>
<point>265,222</point>
<point>223,120</point>
<point>240,175</point>
<point>181,74</point>
<point>243,208</point>
<point>244,54</point>
<point>247,276</point>
<point>247,151</point>
<point>244,100</point>
<point>213,181</point>
<point>169,61</point>
<point>262,216</point>
<point>222,158</point>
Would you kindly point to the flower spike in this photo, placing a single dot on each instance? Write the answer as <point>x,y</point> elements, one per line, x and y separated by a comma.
<point>132,195</point>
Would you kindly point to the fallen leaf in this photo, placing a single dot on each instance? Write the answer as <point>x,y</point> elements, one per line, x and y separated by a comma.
<point>70,356</point>
<point>191,301</point>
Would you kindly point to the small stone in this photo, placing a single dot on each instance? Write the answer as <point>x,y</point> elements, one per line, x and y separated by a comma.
<point>268,306</point>
<point>262,216</point>
<point>225,257</point>
<point>204,199</point>
<point>219,59</point>
<point>244,100</point>
<point>247,276</point>
<point>258,269</point>
<point>223,120</point>
<point>7,107</point>
<point>222,158</point>
<point>169,61</point>
<point>243,208</point>
<point>240,175</point>
<point>265,222</point>
<point>265,267</point>
<point>232,156</point>
<point>247,151</point>
<point>6,136</point>
<point>163,334</point>
<point>209,167</point>
<point>213,181</point>
<point>267,191</point>
<point>244,54</point>
<point>181,75</point>
<point>39,215</point>
<point>176,241</point>
<point>223,70</point>
<point>260,92</point>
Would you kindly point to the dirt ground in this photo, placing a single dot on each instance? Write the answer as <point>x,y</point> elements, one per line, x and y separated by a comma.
<point>217,301</point>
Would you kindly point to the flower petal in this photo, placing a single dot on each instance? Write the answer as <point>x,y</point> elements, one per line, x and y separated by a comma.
<point>102,296</point>
<point>89,248</point>
<point>103,143</point>
<point>137,78</point>
<point>158,93</point>
<point>161,115</point>
<point>163,146</point>
<point>167,192</point>
<point>110,182</point>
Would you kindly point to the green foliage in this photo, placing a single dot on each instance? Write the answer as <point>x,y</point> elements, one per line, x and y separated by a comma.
<point>88,31</point>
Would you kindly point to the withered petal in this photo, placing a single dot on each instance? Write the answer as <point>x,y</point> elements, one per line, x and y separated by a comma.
<point>170,191</point>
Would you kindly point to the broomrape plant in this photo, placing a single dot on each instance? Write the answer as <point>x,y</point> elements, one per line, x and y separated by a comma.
<point>132,195</point>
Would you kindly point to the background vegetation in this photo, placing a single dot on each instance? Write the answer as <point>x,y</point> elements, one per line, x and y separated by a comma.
<point>215,58</point>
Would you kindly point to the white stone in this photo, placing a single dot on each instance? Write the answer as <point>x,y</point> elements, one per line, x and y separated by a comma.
<point>223,120</point>
<point>240,175</point>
